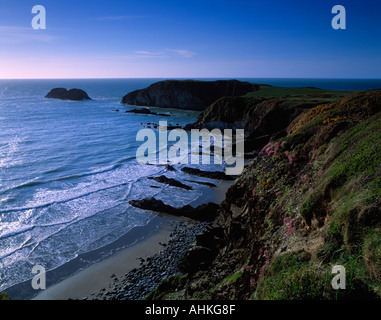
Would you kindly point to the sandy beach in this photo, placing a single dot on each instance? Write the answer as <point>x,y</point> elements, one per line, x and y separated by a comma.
<point>102,276</point>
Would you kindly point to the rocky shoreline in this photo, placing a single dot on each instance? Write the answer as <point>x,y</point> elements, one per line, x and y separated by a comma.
<point>139,282</point>
<point>173,258</point>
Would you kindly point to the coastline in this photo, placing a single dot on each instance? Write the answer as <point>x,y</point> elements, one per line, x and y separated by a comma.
<point>101,274</point>
<point>108,278</point>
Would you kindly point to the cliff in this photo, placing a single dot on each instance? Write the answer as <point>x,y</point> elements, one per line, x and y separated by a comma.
<point>263,114</point>
<point>187,94</point>
<point>308,201</point>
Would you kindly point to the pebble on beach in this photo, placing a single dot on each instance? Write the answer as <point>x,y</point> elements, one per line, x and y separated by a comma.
<point>139,282</point>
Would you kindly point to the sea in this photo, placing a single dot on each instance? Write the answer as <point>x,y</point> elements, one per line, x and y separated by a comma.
<point>68,170</point>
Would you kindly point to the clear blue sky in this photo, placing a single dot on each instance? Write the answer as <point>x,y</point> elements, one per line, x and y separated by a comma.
<point>189,39</point>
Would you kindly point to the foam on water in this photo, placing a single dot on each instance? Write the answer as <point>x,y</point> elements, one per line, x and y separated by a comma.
<point>68,170</point>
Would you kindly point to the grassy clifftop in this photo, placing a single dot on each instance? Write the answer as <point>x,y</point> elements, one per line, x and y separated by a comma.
<point>310,200</point>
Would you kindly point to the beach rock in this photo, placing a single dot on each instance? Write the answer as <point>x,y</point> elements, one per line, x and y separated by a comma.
<point>207,174</point>
<point>142,111</point>
<point>64,94</point>
<point>187,94</point>
<point>153,205</point>
<point>171,182</point>
<point>169,167</point>
<point>147,111</point>
<point>204,212</point>
<point>209,184</point>
<point>139,282</point>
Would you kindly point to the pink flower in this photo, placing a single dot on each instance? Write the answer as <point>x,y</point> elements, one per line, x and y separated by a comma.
<point>320,172</point>
<point>283,144</point>
<point>285,220</point>
<point>291,228</point>
<point>261,271</point>
<point>291,158</point>
<point>264,148</point>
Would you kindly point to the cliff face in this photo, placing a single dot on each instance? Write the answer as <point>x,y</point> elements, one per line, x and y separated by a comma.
<point>262,118</point>
<point>187,94</point>
<point>310,200</point>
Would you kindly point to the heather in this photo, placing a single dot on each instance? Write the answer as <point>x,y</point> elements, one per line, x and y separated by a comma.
<point>309,200</point>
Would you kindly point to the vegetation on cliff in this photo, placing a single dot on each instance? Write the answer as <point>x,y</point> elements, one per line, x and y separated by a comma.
<point>264,114</point>
<point>308,201</point>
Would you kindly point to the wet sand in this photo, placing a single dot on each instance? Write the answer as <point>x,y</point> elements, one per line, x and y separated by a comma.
<point>99,275</point>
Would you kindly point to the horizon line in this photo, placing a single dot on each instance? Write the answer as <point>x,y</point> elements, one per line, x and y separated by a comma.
<point>190,78</point>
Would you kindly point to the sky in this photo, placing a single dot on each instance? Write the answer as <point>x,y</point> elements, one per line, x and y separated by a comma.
<point>190,39</point>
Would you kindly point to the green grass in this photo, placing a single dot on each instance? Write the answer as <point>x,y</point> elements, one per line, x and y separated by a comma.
<point>4,296</point>
<point>279,92</point>
<point>292,277</point>
<point>165,290</point>
<point>230,279</point>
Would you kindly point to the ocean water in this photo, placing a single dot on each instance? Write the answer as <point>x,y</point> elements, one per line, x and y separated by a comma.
<point>68,169</point>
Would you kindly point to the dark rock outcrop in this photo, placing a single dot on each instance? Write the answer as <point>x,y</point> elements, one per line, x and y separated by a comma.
<point>209,184</point>
<point>197,258</point>
<point>204,212</point>
<point>207,174</point>
<point>64,94</point>
<point>171,182</point>
<point>187,94</point>
<point>147,111</point>
<point>142,111</point>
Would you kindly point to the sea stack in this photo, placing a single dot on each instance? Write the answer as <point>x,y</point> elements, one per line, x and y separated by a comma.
<point>64,94</point>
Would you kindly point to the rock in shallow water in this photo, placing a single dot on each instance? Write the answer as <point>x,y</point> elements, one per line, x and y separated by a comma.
<point>204,212</point>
